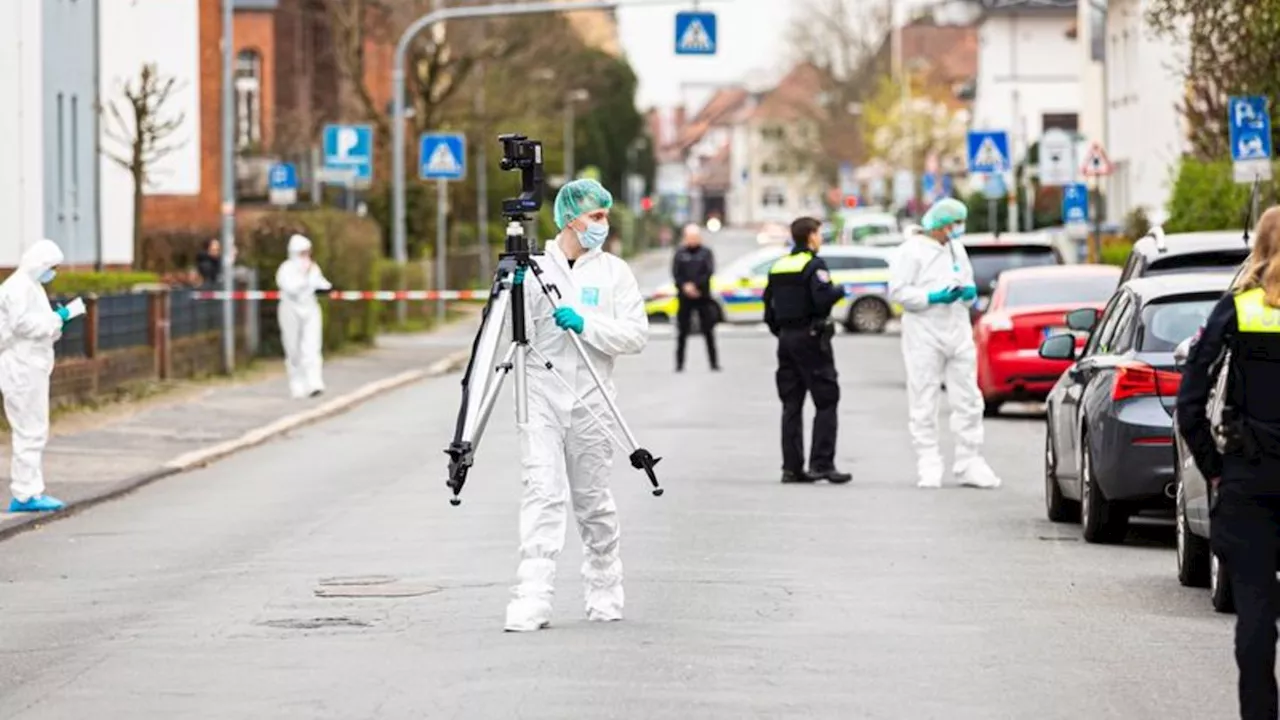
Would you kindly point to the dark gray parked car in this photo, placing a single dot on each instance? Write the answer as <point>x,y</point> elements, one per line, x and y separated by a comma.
<point>1108,435</point>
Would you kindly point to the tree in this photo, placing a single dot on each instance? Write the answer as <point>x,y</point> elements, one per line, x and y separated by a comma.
<point>143,130</point>
<point>906,135</point>
<point>1230,47</point>
<point>844,40</point>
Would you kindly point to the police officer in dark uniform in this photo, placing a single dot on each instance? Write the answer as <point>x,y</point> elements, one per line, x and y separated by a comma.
<point>692,268</point>
<point>1240,456</point>
<point>797,308</point>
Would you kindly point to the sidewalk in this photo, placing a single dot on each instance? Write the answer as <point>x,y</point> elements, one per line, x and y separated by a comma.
<point>121,451</point>
<point>104,455</point>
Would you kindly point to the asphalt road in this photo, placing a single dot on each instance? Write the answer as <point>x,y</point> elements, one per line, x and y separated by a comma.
<point>259,587</point>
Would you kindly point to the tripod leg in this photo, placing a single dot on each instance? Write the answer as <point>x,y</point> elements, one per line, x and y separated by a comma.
<point>485,352</point>
<point>491,396</point>
<point>581,400</point>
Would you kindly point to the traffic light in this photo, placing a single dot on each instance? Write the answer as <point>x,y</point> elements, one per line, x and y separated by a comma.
<point>646,204</point>
<point>851,201</point>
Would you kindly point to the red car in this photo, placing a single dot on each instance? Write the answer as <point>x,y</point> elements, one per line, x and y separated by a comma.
<point>1028,305</point>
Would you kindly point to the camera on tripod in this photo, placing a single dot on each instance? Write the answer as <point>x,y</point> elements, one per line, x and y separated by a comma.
<point>521,153</point>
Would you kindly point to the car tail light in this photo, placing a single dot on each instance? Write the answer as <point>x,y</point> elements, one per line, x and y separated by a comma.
<point>1139,380</point>
<point>1157,441</point>
<point>997,323</point>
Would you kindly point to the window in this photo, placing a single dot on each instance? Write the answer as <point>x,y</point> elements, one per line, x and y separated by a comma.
<point>854,262</point>
<point>1168,321</point>
<point>1105,325</point>
<point>1122,339</point>
<point>773,197</point>
<point>1215,261</point>
<point>1060,291</point>
<point>75,154</point>
<point>772,132</point>
<point>1070,122</point>
<point>248,86</point>
<point>62,157</point>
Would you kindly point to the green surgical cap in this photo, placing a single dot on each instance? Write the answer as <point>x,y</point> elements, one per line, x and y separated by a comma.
<point>579,198</point>
<point>947,211</point>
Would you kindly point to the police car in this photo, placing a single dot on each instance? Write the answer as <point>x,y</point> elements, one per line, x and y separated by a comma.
<point>738,289</point>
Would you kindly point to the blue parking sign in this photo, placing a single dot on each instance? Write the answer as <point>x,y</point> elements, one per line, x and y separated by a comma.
<point>1249,125</point>
<point>349,147</point>
<point>1075,203</point>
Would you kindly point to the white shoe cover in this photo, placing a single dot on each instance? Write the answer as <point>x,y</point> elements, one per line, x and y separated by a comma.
<point>979,475</point>
<point>530,606</point>
<point>929,471</point>
<point>527,615</point>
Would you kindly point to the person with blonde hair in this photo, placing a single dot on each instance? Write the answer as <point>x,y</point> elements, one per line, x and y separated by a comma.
<point>1241,457</point>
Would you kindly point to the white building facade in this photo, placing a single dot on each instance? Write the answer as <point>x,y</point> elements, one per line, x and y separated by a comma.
<point>1146,133</point>
<point>1028,77</point>
<point>766,183</point>
<point>22,124</point>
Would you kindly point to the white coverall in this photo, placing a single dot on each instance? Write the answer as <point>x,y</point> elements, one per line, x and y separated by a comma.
<point>28,329</point>
<point>301,329</point>
<point>937,347</point>
<point>565,456</point>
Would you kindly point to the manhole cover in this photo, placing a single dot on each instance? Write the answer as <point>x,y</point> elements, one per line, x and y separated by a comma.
<point>1048,538</point>
<point>375,586</point>
<point>316,623</point>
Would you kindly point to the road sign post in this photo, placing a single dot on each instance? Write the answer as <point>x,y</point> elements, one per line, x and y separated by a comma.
<point>442,157</point>
<point>993,189</point>
<point>1249,127</point>
<point>988,152</point>
<point>1075,211</point>
<point>1096,166</point>
<point>1057,158</point>
<point>349,147</point>
<point>696,33</point>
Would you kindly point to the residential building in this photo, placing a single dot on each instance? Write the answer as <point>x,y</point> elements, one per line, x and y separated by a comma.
<point>704,146</point>
<point>1028,79</point>
<point>1090,36</point>
<point>22,204</point>
<point>181,39</point>
<point>1146,134</point>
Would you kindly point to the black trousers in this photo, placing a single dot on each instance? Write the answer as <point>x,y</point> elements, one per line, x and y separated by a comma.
<point>706,311</point>
<point>1245,535</point>
<point>806,365</point>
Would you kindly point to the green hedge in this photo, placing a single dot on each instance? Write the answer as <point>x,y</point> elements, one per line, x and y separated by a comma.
<point>102,283</point>
<point>1206,197</point>
<point>347,247</point>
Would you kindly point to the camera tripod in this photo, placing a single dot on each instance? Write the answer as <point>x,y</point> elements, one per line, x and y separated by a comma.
<point>507,296</point>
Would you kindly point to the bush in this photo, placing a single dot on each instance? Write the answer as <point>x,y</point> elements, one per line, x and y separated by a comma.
<point>1206,197</point>
<point>1115,250</point>
<point>101,283</point>
<point>173,251</point>
<point>1136,224</point>
<point>346,246</point>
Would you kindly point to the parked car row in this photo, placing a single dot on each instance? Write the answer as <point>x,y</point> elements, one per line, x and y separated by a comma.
<point>1112,451</point>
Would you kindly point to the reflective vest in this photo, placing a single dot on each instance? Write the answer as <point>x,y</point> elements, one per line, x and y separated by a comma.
<point>1253,315</point>
<point>790,264</point>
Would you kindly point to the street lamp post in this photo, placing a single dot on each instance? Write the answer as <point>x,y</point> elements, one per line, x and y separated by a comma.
<point>570,139</point>
<point>228,190</point>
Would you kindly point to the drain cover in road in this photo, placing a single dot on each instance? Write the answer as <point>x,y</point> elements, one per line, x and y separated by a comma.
<point>316,623</point>
<point>373,586</point>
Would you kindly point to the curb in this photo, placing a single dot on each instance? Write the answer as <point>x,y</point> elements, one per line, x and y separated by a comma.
<point>257,436</point>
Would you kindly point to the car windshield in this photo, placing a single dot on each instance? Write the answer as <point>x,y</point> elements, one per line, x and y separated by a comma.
<point>1167,322</point>
<point>1060,290</point>
<point>990,260</point>
<point>862,232</point>
<point>1215,261</point>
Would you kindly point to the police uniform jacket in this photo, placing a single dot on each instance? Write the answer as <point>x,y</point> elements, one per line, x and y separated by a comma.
<point>1250,329</point>
<point>799,294</point>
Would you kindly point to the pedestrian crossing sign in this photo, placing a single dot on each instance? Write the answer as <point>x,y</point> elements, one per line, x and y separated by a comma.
<point>442,156</point>
<point>988,151</point>
<point>695,33</point>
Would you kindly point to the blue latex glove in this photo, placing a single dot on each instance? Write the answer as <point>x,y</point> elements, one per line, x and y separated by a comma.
<point>944,296</point>
<point>63,313</point>
<point>969,292</point>
<point>520,271</point>
<point>568,319</point>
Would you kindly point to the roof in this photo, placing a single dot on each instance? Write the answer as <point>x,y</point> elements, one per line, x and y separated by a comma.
<point>717,111</point>
<point>947,54</point>
<point>1158,286</point>
<point>795,97</point>
<point>1000,7</point>
<point>1180,243</point>
<point>1057,271</point>
<point>255,4</point>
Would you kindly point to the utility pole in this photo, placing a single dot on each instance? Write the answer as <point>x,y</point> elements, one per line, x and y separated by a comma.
<point>228,190</point>
<point>482,180</point>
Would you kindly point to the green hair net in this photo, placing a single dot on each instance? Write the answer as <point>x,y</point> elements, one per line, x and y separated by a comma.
<point>947,211</point>
<point>578,198</point>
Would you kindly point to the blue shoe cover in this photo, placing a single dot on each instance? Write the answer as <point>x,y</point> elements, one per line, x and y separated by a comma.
<point>39,503</point>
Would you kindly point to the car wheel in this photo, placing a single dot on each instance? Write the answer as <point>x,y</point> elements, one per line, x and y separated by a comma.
<point>991,407</point>
<point>1101,521</point>
<point>1220,586</point>
<point>1057,507</point>
<point>1193,550</point>
<point>868,315</point>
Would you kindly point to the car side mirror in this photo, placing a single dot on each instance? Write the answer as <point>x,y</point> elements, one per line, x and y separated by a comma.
<point>1181,352</point>
<point>1082,320</point>
<point>1058,347</point>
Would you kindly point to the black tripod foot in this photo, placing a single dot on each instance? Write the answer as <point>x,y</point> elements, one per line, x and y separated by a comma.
<point>644,460</point>
<point>461,458</point>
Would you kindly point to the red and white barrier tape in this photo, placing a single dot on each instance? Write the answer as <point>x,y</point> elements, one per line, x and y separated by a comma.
<point>354,295</point>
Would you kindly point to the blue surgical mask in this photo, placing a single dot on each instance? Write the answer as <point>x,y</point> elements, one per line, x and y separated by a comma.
<point>48,276</point>
<point>594,236</point>
<point>955,232</point>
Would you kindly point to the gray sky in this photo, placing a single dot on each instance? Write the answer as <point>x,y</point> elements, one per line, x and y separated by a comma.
<point>751,38</point>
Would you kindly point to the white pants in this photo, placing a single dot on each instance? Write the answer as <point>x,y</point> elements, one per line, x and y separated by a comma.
<point>928,367</point>
<point>301,333</point>
<point>26,407</point>
<point>562,465</point>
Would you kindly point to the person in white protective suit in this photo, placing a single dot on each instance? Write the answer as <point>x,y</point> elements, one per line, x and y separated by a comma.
<point>29,326</point>
<point>930,276</point>
<point>301,328</point>
<point>601,302</point>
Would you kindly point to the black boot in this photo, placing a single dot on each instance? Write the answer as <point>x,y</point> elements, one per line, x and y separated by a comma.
<point>791,476</point>
<point>831,475</point>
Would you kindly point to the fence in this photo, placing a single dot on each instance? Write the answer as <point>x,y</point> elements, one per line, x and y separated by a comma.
<point>152,335</point>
